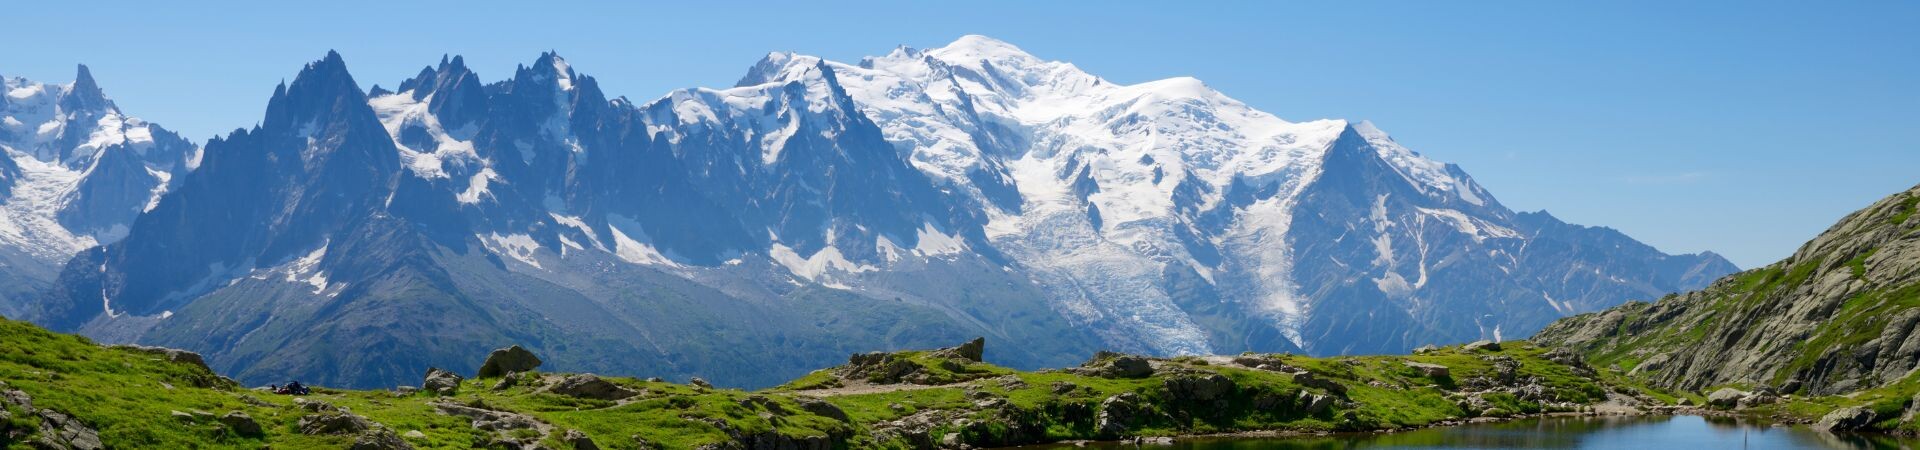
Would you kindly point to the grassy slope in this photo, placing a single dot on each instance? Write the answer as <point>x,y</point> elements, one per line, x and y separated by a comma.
<point>128,396</point>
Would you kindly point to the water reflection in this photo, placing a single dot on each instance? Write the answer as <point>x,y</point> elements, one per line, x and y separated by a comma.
<point>1655,432</point>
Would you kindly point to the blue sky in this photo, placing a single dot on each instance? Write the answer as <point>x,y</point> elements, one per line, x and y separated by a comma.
<point>1740,127</point>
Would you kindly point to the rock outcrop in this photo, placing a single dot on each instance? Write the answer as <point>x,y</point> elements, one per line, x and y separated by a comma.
<point>1842,298</point>
<point>591,386</point>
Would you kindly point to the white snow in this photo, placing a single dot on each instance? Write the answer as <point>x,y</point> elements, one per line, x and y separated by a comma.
<point>637,251</point>
<point>520,247</point>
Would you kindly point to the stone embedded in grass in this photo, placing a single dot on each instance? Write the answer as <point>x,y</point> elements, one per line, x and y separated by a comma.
<point>1482,345</point>
<point>590,386</point>
<point>242,424</point>
<point>1430,370</point>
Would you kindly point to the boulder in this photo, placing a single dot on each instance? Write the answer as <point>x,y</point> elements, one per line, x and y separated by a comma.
<point>1430,370</point>
<point>1482,345</point>
<point>822,408</point>
<point>1852,418</point>
<point>973,350</point>
<point>441,382</point>
<point>333,422</point>
<point>578,440</point>
<point>61,431</point>
<point>1308,379</point>
<point>590,386</point>
<point>1115,365</point>
<point>1725,398</point>
<point>171,354</point>
<point>380,439</point>
<point>699,382</point>
<point>242,424</point>
<point>1424,349</point>
<point>508,360</point>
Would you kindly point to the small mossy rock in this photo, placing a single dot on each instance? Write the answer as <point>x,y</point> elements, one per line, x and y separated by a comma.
<point>579,440</point>
<point>508,360</point>
<point>1308,379</point>
<point>1852,418</point>
<point>380,439</point>
<point>441,382</point>
<point>1725,398</point>
<point>1430,370</point>
<point>242,424</point>
<point>590,386</point>
<point>1483,345</point>
<point>700,382</point>
<point>333,422</point>
<point>1425,349</point>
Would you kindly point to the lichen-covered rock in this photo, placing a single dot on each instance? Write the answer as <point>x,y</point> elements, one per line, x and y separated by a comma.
<point>1199,388</point>
<point>508,360</point>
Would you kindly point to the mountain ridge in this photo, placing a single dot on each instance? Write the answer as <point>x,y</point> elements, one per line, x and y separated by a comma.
<point>538,210</point>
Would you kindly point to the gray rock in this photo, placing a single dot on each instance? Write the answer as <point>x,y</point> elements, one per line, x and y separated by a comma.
<point>974,350</point>
<point>333,422</point>
<point>1430,370</point>
<point>441,382</point>
<point>1482,345</point>
<point>1314,404</point>
<point>1424,349</point>
<point>699,382</point>
<point>242,424</point>
<point>508,360</point>
<point>380,439</point>
<point>590,386</point>
<point>578,440</point>
<point>822,408</point>
<point>1852,418</point>
<point>1725,398</point>
<point>1115,365</point>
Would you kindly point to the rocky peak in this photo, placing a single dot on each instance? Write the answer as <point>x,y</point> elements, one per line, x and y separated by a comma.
<point>85,94</point>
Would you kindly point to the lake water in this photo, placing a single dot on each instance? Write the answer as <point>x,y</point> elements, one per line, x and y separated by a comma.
<point>1634,433</point>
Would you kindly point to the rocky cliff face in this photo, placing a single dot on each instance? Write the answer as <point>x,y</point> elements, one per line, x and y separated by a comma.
<point>1838,316</point>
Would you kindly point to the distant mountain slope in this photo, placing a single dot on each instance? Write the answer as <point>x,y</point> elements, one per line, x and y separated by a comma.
<point>74,172</point>
<point>1839,315</point>
<point>818,208</point>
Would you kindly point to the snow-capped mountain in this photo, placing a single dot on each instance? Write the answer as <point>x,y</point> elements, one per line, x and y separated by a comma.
<point>817,208</point>
<point>76,172</point>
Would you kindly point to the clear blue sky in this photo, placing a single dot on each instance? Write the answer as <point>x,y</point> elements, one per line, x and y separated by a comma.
<point>1741,127</point>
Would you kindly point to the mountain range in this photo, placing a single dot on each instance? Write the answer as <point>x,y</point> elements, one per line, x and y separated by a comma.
<point>355,237</point>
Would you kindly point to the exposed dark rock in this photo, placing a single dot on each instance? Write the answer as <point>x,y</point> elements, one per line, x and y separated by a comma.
<point>1120,413</point>
<point>1115,365</point>
<point>508,360</point>
<point>1482,345</point>
<point>974,350</point>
